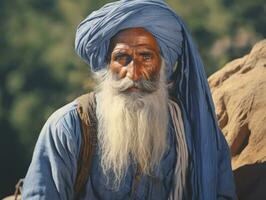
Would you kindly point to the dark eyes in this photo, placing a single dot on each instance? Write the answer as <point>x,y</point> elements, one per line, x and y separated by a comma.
<point>146,56</point>
<point>125,59</point>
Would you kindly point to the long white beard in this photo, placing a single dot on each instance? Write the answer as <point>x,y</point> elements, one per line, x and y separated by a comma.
<point>132,127</point>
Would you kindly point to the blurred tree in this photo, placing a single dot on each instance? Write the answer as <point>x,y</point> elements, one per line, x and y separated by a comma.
<point>39,72</point>
<point>223,29</point>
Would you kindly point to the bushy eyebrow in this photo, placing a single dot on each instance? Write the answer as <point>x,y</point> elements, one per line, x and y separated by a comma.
<point>120,50</point>
<point>119,53</point>
<point>145,51</point>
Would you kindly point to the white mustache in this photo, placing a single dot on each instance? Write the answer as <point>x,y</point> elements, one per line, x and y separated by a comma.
<point>144,85</point>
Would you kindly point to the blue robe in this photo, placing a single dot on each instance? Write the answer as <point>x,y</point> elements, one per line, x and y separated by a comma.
<point>53,169</point>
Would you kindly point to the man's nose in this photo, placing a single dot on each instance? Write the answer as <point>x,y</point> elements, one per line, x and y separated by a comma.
<point>133,70</point>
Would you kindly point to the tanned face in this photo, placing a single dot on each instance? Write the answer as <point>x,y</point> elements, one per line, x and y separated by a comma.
<point>135,54</point>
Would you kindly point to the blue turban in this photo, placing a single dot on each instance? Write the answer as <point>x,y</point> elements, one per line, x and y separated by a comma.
<point>94,33</point>
<point>188,79</point>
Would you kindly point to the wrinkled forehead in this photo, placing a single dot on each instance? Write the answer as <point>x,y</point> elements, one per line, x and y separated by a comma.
<point>134,37</point>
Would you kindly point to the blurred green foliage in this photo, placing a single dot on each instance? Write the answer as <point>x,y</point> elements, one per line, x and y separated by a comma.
<point>39,71</point>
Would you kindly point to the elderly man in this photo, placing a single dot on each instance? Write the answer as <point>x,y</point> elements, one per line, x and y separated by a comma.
<point>153,117</point>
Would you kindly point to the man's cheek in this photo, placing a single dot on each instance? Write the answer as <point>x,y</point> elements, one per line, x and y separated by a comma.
<point>150,73</point>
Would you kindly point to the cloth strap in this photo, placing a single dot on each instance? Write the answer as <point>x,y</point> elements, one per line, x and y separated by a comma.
<point>178,190</point>
<point>87,113</point>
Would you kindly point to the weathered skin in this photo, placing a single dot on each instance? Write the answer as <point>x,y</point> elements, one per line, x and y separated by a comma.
<point>135,54</point>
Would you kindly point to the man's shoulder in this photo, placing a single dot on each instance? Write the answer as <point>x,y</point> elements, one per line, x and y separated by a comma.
<point>68,115</point>
<point>63,124</point>
<point>65,114</point>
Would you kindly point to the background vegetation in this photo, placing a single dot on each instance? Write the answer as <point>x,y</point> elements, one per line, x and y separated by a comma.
<point>39,71</point>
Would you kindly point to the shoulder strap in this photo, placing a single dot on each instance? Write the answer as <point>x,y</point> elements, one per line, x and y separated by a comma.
<point>87,113</point>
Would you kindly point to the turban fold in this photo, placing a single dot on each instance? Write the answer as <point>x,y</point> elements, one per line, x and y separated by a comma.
<point>94,33</point>
<point>188,79</point>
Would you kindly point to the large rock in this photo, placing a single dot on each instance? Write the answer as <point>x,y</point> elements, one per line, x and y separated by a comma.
<point>239,94</point>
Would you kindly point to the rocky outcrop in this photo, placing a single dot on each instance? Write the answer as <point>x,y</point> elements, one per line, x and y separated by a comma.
<point>239,94</point>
